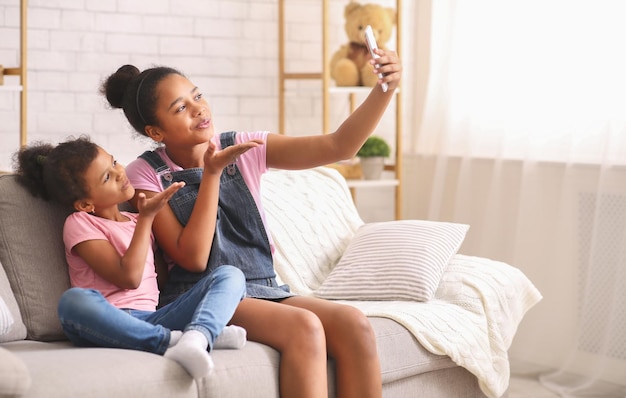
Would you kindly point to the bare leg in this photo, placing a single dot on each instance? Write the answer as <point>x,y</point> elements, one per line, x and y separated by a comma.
<point>299,337</point>
<point>351,342</point>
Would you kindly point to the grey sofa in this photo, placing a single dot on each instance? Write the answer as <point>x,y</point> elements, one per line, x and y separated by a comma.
<point>37,361</point>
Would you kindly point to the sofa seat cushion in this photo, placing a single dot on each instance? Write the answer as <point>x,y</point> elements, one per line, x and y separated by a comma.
<point>249,372</point>
<point>54,367</point>
<point>60,370</point>
<point>14,376</point>
<point>401,356</point>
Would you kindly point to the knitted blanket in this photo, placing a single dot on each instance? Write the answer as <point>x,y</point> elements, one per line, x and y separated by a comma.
<point>476,309</point>
<point>472,319</point>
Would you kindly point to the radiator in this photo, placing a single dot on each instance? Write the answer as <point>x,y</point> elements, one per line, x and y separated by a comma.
<point>602,274</point>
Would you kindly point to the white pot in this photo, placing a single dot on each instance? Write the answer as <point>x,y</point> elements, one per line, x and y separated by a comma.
<point>372,167</point>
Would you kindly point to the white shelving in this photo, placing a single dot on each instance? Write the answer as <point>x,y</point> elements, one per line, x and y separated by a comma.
<point>351,92</point>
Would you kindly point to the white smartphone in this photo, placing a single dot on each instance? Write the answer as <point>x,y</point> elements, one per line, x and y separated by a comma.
<point>370,40</point>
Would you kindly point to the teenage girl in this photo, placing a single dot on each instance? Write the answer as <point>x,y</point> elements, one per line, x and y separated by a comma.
<point>164,105</point>
<point>112,264</point>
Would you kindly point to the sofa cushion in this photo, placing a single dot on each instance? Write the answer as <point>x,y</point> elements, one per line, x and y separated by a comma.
<point>238,373</point>
<point>6,319</point>
<point>14,376</point>
<point>9,312</point>
<point>32,253</point>
<point>394,260</point>
<point>60,370</point>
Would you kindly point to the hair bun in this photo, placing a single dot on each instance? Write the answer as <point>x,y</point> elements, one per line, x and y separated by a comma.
<point>114,87</point>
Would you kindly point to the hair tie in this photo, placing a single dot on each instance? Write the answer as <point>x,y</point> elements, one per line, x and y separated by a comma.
<point>41,159</point>
<point>137,98</point>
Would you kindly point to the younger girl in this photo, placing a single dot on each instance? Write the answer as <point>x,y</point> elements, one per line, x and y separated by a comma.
<point>112,264</point>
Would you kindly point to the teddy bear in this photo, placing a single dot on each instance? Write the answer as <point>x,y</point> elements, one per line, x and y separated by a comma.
<point>349,65</point>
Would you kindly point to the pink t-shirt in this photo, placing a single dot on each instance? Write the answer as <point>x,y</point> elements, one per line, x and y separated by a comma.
<point>80,227</point>
<point>251,164</point>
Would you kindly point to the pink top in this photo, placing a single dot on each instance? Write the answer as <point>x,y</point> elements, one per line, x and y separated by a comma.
<point>252,165</point>
<point>80,227</point>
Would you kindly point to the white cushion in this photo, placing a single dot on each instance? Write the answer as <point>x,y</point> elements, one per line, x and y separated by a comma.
<point>6,319</point>
<point>11,325</point>
<point>394,260</point>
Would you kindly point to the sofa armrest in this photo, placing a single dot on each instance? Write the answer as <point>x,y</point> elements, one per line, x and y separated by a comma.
<point>14,376</point>
<point>312,218</point>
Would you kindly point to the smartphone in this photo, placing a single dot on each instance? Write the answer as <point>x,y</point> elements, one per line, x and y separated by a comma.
<point>370,40</point>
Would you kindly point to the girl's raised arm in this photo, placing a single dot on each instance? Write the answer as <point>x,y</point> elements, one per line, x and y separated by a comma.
<point>288,152</point>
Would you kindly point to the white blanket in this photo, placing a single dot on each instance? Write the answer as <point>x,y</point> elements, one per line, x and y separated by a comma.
<point>477,307</point>
<point>473,318</point>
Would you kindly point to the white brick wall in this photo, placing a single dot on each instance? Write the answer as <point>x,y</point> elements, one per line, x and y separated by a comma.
<point>227,47</point>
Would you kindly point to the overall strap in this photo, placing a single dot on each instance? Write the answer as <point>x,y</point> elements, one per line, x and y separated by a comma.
<point>227,139</point>
<point>155,161</point>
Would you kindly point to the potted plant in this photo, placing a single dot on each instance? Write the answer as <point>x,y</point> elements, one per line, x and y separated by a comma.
<point>372,157</point>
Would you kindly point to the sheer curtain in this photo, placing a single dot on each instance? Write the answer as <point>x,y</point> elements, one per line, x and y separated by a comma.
<point>522,134</point>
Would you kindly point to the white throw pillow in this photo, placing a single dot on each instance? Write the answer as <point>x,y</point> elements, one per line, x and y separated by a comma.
<point>6,319</point>
<point>394,260</point>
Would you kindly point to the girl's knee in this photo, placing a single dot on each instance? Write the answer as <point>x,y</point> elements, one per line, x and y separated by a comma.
<point>355,333</point>
<point>78,304</point>
<point>306,327</point>
<point>77,298</point>
<point>226,272</point>
<point>356,319</point>
<point>72,294</point>
<point>235,274</point>
<point>298,330</point>
<point>310,322</point>
<point>231,275</point>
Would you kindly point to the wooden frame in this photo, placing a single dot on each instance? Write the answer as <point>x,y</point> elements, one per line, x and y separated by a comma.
<point>20,71</point>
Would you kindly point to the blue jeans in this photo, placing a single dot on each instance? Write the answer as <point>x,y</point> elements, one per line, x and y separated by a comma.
<point>88,319</point>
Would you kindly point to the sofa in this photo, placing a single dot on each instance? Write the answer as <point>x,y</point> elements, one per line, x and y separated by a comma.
<point>451,343</point>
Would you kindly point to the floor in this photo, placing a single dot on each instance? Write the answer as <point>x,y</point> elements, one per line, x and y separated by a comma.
<point>524,383</point>
<point>527,387</point>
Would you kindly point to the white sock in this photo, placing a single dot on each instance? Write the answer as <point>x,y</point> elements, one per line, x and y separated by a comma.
<point>232,336</point>
<point>175,336</point>
<point>191,353</point>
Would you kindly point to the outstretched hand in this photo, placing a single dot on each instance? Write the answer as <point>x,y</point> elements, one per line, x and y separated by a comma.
<point>215,161</point>
<point>151,206</point>
<point>389,65</point>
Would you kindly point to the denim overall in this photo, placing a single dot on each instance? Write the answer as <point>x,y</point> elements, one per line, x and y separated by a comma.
<point>240,238</point>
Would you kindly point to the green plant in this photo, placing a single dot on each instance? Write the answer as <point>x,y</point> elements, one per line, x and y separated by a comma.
<point>374,146</point>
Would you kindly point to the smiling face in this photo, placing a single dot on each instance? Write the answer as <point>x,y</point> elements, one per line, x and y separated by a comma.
<point>107,184</point>
<point>184,115</point>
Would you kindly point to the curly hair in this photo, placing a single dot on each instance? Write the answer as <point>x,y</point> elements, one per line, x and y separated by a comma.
<point>56,172</point>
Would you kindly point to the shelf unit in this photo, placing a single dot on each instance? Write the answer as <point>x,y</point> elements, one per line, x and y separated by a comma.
<point>20,71</point>
<point>351,92</point>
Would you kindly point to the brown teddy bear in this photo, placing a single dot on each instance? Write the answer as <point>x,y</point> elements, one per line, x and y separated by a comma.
<point>349,66</point>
